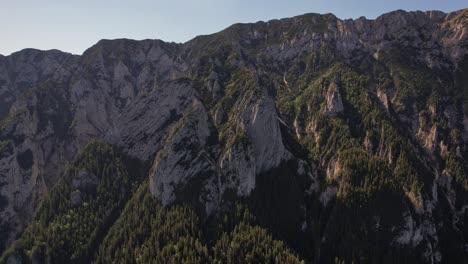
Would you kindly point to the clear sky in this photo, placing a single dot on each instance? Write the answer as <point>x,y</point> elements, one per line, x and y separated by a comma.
<point>74,25</point>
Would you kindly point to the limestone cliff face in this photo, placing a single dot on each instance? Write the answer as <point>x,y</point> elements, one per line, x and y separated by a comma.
<point>334,101</point>
<point>214,114</point>
<point>186,163</point>
<point>23,70</point>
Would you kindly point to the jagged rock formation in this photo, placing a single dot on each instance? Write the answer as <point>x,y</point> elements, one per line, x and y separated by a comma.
<point>255,106</point>
<point>334,101</point>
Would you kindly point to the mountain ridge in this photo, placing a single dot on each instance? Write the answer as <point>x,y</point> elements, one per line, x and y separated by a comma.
<point>452,13</point>
<point>307,121</point>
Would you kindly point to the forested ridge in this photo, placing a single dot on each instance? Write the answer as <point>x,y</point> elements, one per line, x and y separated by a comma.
<point>118,221</point>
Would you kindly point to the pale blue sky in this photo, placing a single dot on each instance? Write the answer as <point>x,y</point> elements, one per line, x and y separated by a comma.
<point>74,25</point>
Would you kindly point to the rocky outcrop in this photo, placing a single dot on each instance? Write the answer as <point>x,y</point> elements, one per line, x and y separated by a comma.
<point>186,161</point>
<point>24,70</point>
<point>386,95</point>
<point>238,166</point>
<point>190,160</point>
<point>85,181</point>
<point>260,121</point>
<point>430,138</point>
<point>334,101</point>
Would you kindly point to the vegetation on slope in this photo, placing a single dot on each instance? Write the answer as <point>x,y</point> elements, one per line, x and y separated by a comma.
<point>174,234</point>
<point>71,222</point>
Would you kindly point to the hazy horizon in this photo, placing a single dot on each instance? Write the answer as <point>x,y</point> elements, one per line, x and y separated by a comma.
<point>74,27</point>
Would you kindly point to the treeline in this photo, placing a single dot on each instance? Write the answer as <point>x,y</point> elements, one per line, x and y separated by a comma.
<point>97,214</point>
<point>149,233</point>
<point>72,221</point>
<point>369,214</point>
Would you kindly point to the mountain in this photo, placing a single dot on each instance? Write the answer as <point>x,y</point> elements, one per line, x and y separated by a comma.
<point>306,139</point>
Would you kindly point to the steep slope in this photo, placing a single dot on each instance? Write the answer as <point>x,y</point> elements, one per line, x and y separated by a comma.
<point>76,222</point>
<point>324,128</point>
<point>24,70</point>
<point>72,221</point>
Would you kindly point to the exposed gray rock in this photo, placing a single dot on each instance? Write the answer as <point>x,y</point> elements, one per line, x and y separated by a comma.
<point>386,96</point>
<point>218,116</point>
<point>14,260</point>
<point>238,166</point>
<point>430,138</point>
<point>260,121</point>
<point>328,195</point>
<point>298,127</point>
<point>412,234</point>
<point>85,181</point>
<point>334,100</point>
<point>186,158</point>
<point>154,113</point>
<point>25,69</point>
<point>75,198</point>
